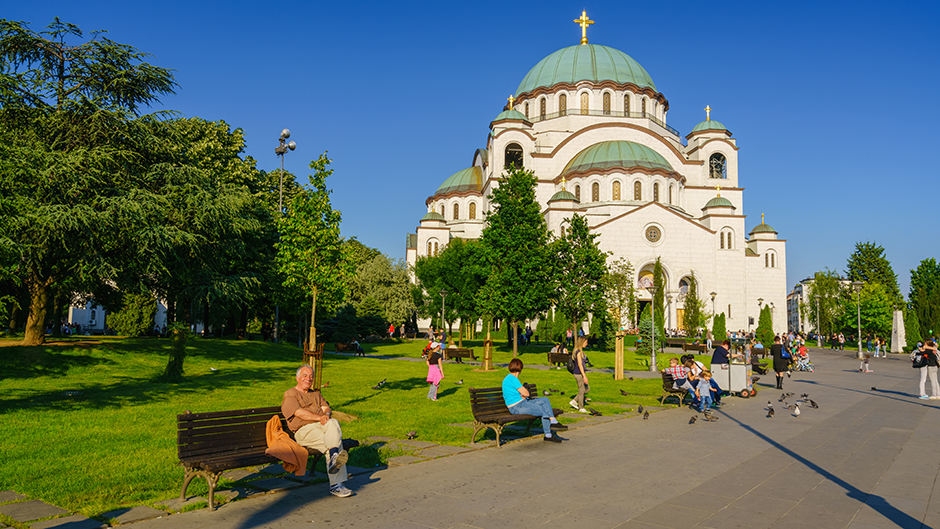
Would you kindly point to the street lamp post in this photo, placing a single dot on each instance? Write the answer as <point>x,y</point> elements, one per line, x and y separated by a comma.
<point>713,294</point>
<point>652,290</point>
<point>443,294</point>
<point>280,151</point>
<point>857,285</point>
<point>818,341</point>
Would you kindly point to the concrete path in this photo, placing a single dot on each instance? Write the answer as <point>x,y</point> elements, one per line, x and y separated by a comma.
<point>864,459</point>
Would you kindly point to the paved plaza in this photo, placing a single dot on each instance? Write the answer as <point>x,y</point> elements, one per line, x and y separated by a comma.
<point>866,458</point>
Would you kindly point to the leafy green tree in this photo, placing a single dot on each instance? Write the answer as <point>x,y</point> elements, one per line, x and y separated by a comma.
<point>621,292</point>
<point>873,305</point>
<point>765,328</point>
<point>827,285</point>
<point>72,159</point>
<point>646,329</point>
<point>580,271</point>
<point>924,297</point>
<point>311,255</point>
<point>520,282</point>
<point>869,264</point>
<point>694,318</point>
<point>659,281</point>
<point>719,328</point>
<point>912,333</point>
<point>460,270</point>
<point>346,329</point>
<point>135,317</point>
<point>560,326</point>
<point>386,280</point>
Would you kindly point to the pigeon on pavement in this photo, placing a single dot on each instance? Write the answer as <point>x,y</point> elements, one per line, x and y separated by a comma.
<point>412,434</point>
<point>646,415</point>
<point>693,419</point>
<point>796,412</point>
<point>640,409</point>
<point>813,403</point>
<point>770,414</point>
<point>624,393</point>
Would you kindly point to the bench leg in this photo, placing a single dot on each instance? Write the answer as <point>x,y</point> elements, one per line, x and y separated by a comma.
<point>477,426</point>
<point>212,478</point>
<point>189,477</point>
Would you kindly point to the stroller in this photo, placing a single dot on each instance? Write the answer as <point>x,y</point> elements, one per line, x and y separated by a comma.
<point>802,361</point>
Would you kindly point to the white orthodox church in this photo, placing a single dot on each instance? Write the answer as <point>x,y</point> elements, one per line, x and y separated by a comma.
<point>589,121</point>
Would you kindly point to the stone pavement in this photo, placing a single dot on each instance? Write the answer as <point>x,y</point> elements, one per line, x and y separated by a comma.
<point>864,459</point>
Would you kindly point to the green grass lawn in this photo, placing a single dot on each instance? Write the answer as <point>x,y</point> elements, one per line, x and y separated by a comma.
<point>114,444</point>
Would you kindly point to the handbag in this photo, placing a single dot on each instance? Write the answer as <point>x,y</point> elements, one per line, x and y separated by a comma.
<point>919,361</point>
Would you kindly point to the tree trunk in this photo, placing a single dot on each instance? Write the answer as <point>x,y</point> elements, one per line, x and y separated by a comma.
<point>460,338</point>
<point>205,321</point>
<point>57,314</point>
<point>515,339</point>
<point>313,329</point>
<point>243,323</point>
<point>39,290</point>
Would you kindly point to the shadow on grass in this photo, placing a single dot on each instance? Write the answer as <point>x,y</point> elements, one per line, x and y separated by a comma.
<point>128,391</point>
<point>19,362</point>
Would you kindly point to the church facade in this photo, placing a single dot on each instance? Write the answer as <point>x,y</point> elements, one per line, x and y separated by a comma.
<point>589,121</point>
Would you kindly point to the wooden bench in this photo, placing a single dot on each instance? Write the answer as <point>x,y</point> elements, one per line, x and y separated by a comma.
<point>458,354</point>
<point>675,342</point>
<point>209,444</point>
<point>670,391</point>
<point>695,347</point>
<point>490,411</point>
<point>558,358</point>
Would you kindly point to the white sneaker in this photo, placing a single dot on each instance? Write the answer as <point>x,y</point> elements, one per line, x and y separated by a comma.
<point>340,491</point>
<point>582,410</point>
<point>574,404</point>
<point>337,461</point>
<point>935,397</point>
<point>923,397</point>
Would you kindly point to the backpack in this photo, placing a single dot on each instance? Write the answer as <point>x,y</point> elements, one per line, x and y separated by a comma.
<point>919,360</point>
<point>572,364</point>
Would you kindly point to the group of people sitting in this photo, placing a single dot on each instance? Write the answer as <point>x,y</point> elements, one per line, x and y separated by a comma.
<point>691,375</point>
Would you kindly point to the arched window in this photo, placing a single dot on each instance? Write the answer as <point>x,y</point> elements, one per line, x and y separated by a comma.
<point>767,260</point>
<point>563,105</point>
<point>577,193</point>
<point>643,107</point>
<point>721,238</point>
<point>430,248</point>
<point>595,192</point>
<point>626,105</point>
<point>637,190</point>
<point>456,211</point>
<point>615,191</point>
<point>542,109</point>
<point>527,110</point>
<point>670,194</point>
<point>435,248</point>
<point>773,259</point>
<point>513,156</point>
<point>717,166</point>
<point>726,239</point>
<point>584,103</point>
<point>655,192</point>
<point>473,211</point>
<point>442,210</point>
<point>606,103</point>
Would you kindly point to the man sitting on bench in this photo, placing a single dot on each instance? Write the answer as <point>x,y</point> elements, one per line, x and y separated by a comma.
<point>519,401</point>
<point>308,416</point>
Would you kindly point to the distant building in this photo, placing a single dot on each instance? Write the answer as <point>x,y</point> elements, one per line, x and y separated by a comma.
<point>797,321</point>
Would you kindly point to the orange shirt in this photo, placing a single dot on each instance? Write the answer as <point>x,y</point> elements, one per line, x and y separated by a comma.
<point>294,399</point>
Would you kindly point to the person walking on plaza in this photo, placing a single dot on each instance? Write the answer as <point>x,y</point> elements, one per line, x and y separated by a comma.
<point>933,363</point>
<point>435,370</point>
<point>781,363</point>
<point>917,354</point>
<point>576,368</point>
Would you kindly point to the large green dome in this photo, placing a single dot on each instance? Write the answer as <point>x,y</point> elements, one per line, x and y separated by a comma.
<point>585,62</point>
<point>616,154</point>
<point>470,179</point>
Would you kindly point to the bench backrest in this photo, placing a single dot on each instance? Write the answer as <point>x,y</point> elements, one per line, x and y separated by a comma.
<point>489,401</point>
<point>205,434</point>
<point>668,381</point>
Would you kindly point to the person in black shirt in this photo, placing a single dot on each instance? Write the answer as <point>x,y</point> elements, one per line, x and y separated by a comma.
<point>781,364</point>
<point>435,370</point>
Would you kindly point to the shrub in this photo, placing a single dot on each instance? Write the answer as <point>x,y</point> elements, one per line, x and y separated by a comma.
<point>135,317</point>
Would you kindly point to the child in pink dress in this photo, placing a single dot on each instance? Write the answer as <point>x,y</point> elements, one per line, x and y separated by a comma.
<point>435,364</point>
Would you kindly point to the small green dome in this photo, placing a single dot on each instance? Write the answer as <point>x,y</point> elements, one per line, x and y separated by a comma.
<point>470,179</point>
<point>511,114</point>
<point>433,215</point>
<point>585,62</point>
<point>710,125</point>
<point>719,202</point>
<point>763,228</point>
<point>563,195</point>
<point>621,154</point>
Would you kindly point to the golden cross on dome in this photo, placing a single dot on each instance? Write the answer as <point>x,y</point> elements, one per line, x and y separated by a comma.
<point>584,21</point>
<point>708,113</point>
<point>761,218</point>
<point>718,187</point>
<point>563,183</point>
<point>511,101</point>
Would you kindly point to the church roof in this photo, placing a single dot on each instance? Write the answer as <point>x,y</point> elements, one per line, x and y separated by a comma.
<point>709,124</point>
<point>433,215</point>
<point>470,179</point>
<point>763,228</point>
<point>616,154</point>
<point>719,202</point>
<point>585,62</point>
<point>510,114</point>
<point>563,195</point>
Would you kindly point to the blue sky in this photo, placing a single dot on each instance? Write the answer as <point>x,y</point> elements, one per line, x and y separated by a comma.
<point>834,104</point>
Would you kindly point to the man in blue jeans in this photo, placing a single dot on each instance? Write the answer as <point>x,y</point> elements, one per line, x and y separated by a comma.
<point>518,401</point>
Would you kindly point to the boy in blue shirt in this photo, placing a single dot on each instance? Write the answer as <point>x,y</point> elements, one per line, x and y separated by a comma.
<point>518,401</point>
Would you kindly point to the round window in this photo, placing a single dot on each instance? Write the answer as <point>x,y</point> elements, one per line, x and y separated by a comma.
<point>653,234</point>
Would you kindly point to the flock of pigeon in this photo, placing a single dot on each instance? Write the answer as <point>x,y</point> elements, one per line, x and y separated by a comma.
<point>795,408</point>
